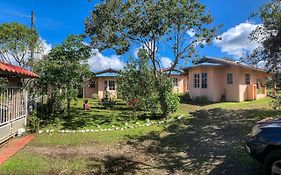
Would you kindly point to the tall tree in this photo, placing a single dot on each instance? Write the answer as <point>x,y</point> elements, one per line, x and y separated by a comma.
<point>16,43</point>
<point>268,35</point>
<point>64,67</point>
<point>178,25</point>
<point>119,24</point>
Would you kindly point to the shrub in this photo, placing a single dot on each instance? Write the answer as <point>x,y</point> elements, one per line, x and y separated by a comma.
<point>33,122</point>
<point>108,103</point>
<point>185,98</point>
<point>202,99</point>
<point>276,102</point>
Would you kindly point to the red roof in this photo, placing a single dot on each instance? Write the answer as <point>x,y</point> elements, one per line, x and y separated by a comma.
<point>16,70</point>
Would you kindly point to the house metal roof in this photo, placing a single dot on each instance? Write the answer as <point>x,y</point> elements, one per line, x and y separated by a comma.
<point>210,61</point>
<point>107,74</point>
<point>207,64</point>
<point>8,69</point>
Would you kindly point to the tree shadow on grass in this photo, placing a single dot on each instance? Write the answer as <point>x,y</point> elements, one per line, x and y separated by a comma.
<point>118,165</point>
<point>211,142</point>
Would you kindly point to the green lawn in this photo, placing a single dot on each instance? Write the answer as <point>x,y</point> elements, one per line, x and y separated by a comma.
<point>100,118</point>
<point>207,140</point>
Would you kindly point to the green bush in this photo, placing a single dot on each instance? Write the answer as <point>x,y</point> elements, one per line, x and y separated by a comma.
<point>276,102</point>
<point>33,122</point>
<point>185,98</point>
<point>108,103</point>
<point>202,99</point>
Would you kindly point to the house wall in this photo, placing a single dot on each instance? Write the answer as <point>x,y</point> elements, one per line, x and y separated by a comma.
<point>246,91</point>
<point>88,91</point>
<point>99,88</point>
<point>213,91</point>
<point>217,83</point>
<point>182,84</point>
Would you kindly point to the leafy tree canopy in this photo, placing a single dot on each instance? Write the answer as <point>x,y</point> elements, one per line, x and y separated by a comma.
<point>16,43</point>
<point>119,24</point>
<point>268,34</point>
<point>64,67</point>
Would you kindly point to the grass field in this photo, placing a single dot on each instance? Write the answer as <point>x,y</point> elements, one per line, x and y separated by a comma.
<point>207,140</point>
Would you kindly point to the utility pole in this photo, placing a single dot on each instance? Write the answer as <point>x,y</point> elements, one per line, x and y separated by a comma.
<point>32,42</point>
<point>32,20</point>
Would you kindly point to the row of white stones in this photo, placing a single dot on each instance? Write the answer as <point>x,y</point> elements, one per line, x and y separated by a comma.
<point>137,125</point>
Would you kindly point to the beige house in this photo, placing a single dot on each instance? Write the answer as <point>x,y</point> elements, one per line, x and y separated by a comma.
<point>105,82</point>
<point>219,79</point>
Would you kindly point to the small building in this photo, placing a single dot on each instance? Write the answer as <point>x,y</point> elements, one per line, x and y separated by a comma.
<point>13,100</point>
<point>105,82</point>
<point>101,83</point>
<point>220,79</point>
<point>180,80</point>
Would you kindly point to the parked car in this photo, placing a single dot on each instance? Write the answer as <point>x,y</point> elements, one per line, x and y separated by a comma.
<point>264,144</point>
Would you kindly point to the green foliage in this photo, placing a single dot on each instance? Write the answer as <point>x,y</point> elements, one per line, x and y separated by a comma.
<point>276,102</point>
<point>16,41</point>
<point>268,35</point>
<point>118,25</point>
<point>202,99</point>
<point>33,122</point>
<point>169,101</point>
<point>62,71</point>
<point>136,83</point>
<point>185,98</point>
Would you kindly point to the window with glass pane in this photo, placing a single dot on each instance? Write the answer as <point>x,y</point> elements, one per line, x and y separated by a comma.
<point>111,85</point>
<point>196,80</point>
<point>105,85</point>
<point>229,78</point>
<point>175,82</point>
<point>247,79</point>
<point>204,81</point>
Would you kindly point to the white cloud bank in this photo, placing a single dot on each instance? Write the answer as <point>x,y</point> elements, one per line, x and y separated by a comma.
<point>166,62</point>
<point>99,62</point>
<point>235,41</point>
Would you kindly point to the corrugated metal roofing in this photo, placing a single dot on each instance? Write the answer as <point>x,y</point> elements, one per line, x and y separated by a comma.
<point>207,64</point>
<point>16,70</point>
<point>107,74</point>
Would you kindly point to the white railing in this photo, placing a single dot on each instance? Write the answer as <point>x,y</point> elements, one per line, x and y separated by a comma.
<point>13,104</point>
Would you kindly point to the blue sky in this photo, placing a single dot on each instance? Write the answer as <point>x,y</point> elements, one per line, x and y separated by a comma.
<point>56,19</point>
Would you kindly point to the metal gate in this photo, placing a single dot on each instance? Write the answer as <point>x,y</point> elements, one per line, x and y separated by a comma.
<point>13,111</point>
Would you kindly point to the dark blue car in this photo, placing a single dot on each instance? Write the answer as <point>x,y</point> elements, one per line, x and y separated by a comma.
<point>264,144</point>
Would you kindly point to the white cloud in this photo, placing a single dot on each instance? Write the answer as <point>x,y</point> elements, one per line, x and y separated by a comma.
<point>165,62</point>
<point>261,64</point>
<point>45,48</point>
<point>99,62</point>
<point>191,32</point>
<point>235,41</point>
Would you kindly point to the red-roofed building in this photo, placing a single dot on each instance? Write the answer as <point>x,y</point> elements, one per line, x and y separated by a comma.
<point>13,100</point>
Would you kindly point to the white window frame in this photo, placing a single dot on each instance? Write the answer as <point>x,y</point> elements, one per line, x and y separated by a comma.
<point>204,80</point>
<point>247,78</point>
<point>229,78</point>
<point>196,81</point>
<point>175,82</point>
<point>111,85</point>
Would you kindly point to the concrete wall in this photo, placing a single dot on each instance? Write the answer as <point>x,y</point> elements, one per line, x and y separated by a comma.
<point>99,88</point>
<point>182,84</point>
<point>217,83</point>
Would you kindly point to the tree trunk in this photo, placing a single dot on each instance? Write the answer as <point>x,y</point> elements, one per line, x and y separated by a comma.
<point>68,106</point>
